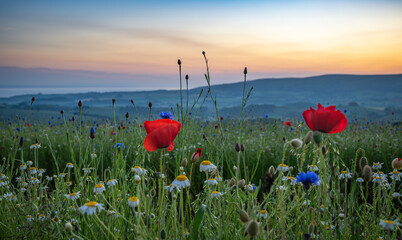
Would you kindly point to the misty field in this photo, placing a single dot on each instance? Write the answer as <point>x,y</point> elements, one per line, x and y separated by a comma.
<point>328,176</point>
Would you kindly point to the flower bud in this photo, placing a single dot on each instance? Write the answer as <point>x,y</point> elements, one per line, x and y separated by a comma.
<point>184,162</point>
<point>68,227</point>
<point>317,137</point>
<point>242,147</point>
<point>296,143</point>
<point>245,71</point>
<point>181,168</point>
<point>127,115</point>
<point>179,62</point>
<point>237,147</point>
<point>186,76</point>
<point>234,168</point>
<point>61,112</point>
<point>308,137</point>
<point>244,216</point>
<point>113,101</point>
<point>132,101</point>
<point>21,141</point>
<point>397,163</point>
<point>137,178</point>
<point>241,183</point>
<point>253,228</point>
<point>32,100</point>
<point>367,173</point>
<point>271,170</point>
<point>150,104</point>
<point>232,182</point>
<point>163,234</point>
<point>324,150</point>
<point>79,104</point>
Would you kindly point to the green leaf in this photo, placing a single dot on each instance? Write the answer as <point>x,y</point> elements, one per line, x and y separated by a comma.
<point>197,221</point>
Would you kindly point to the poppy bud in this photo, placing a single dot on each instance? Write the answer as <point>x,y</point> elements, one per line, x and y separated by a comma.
<point>367,173</point>
<point>241,183</point>
<point>296,143</point>
<point>163,234</point>
<point>363,162</point>
<point>127,115</point>
<point>317,137</point>
<point>79,103</point>
<point>179,62</point>
<point>242,147</point>
<point>32,100</point>
<point>232,182</point>
<point>271,170</point>
<point>203,53</point>
<point>234,168</point>
<point>61,112</point>
<point>355,175</point>
<point>237,147</point>
<point>184,162</point>
<point>92,135</point>
<point>36,141</point>
<point>324,150</point>
<point>253,228</point>
<point>68,227</point>
<point>150,105</point>
<point>186,76</point>
<point>245,71</point>
<point>244,216</point>
<point>308,137</point>
<point>132,101</point>
<point>113,101</point>
<point>21,141</point>
<point>397,163</point>
<point>73,119</point>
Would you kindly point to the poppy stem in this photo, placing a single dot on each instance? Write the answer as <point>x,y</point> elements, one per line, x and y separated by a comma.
<point>159,192</point>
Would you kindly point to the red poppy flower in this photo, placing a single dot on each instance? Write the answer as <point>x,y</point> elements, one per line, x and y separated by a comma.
<point>221,118</point>
<point>326,120</point>
<point>161,134</point>
<point>196,155</point>
<point>288,124</point>
<point>112,133</point>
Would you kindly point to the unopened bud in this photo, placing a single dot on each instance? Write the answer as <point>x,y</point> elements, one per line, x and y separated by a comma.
<point>245,71</point>
<point>237,147</point>
<point>242,147</point>
<point>244,216</point>
<point>186,76</point>
<point>32,100</point>
<point>79,103</point>
<point>68,227</point>
<point>271,170</point>
<point>184,162</point>
<point>232,182</point>
<point>179,62</point>
<point>324,150</point>
<point>21,141</point>
<point>113,100</point>
<point>150,104</point>
<point>127,115</point>
<point>296,143</point>
<point>367,173</point>
<point>132,101</point>
<point>253,228</point>
<point>61,112</point>
<point>317,137</point>
<point>308,137</point>
<point>241,183</point>
<point>234,168</point>
<point>397,163</point>
<point>137,178</point>
<point>163,234</point>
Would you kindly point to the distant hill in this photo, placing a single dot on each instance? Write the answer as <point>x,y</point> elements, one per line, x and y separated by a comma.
<point>375,92</point>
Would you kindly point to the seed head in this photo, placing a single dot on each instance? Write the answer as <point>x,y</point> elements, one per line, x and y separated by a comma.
<point>367,173</point>
<point>184,162</point>
<point>68,227</point>
<point>397,163</point>
<point>317,137</point>
<point>237,147</point>
<point>241,183</point>
<point>244,216</point>
<point>186,76</point>
<point>308,137</point>
<point>253,228</point>
<point>32,100</point>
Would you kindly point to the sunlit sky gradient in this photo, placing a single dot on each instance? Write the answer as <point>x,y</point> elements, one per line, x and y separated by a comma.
<point>272,38</point>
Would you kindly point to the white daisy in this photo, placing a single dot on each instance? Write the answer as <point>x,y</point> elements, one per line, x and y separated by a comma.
<point>218,178</point>
<point>395,175</point>
<point>327,226</point>
<point>111,182</point>
<point>29,163</point>
<point>99,188</point>
<point>263,214</point>
<point>23,167</point>
<point>396,195</point>
<point>91,207</point>
<point>133,201</point>
<point>41,171</point>
<point>211,181</point>
<point>73,196</point>
<point>137,169</point>
<point>62,175</point>
<point>29,218</point>
<point>291,179</point>
<point>93,155</point>
<point>389,225</point>
<point>49,178</point>
<point>112,213</point>
<point>207,166</point>
<point>34,181</point>
<point>69,165</point>
<point>3,176</point>
<point>359,180</point>
<point>35,146</point>
<point>377,165</point>
<point>87,170</point>
<point>313,168</point>
<point>215,194</point>
<point>42,217</point>
<point>380,174</point>
<point>10,197</point>
<point>69,183</point>
<point>32,170</point>
<point>282,167</point>
<point>3,183</point>
<point>181,181</point>
<point>345,175</point>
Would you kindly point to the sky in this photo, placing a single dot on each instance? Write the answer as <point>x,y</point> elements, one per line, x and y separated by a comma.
<point>135,45</point>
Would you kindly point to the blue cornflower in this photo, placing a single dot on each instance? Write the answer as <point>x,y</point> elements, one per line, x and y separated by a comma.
<point>93,130</point>
<point>18,129</point>
<point>120,146</point>
<point>345,111</point>
<point>266,115</point>
<point>166,115</point>
<point>49,122</point>
<point>308,178</point>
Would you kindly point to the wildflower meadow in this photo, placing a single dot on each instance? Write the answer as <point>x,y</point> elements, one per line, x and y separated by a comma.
<point>324,175</point>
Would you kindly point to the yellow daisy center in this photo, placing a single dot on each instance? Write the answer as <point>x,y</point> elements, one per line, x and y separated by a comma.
<point>91,204</point>
<point>73,194</point>
<point>283,165</point>
<point>377,177</point>
<point>133,199</point>
<point>322,205</point>
<point>111,180</point>
<point>263,212</point>
<point>42,215</point>
<point>395,172</point>
<point>389,222</point>
<point>98,185</point>
<point>32,168</point>
<point>215,192</point>
<point>375,164</point>
<point>69,163</point>
<point>181,178</point>
<point>380,172</point>
<point>211,179</point>
<point>205,162</point>
<point>137,167</point>
<point>344,172</point>
<point>291,178</point>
